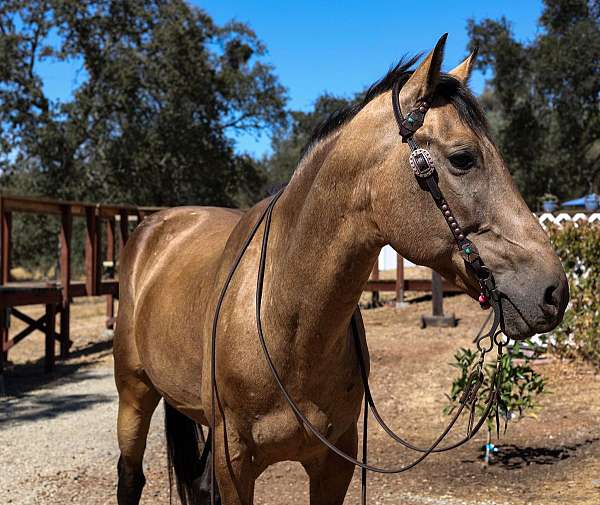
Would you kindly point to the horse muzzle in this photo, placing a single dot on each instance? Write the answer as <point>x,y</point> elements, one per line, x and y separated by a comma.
<point>533,305</point>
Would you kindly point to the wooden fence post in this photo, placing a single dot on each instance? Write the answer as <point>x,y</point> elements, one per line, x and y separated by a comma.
<point>400,282</point>
<point>375,276</point>
<point>111,259</point>
<point>6,218</point>
<point>437,295</point>
<point>5,253</point>
<point>50,337</point>
<point>123,229</point>
<point>66,231</point>
<point>92,252</point>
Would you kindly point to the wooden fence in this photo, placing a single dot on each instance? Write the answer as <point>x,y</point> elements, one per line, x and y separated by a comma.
<point>400,285</point>
<point>110,223</point>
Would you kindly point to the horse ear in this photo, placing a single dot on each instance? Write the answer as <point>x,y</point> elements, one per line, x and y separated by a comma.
<point>423,81</point>
<point>463,71</point>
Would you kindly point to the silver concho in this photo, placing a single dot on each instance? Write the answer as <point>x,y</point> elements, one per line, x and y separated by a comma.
<point>421,172</point>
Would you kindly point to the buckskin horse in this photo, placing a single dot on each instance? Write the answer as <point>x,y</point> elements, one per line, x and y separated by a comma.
<point>352,192</point>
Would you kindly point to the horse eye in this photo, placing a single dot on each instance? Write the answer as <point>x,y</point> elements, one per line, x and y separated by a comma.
<point>463,160</point>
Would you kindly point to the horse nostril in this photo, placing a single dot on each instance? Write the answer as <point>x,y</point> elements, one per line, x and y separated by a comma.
<point>551,296</point>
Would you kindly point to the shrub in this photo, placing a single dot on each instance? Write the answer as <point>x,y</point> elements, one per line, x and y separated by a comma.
<point>579,250</point>
<point>520,386</point>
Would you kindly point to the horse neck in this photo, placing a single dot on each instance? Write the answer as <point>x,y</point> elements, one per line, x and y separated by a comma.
<point>326,242</point>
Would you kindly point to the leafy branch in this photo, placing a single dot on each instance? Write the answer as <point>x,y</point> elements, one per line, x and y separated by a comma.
<point>520,385</point>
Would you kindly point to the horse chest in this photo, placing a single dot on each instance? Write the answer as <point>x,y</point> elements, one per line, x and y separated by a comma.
<point>331,407</point>
<point>319,373</point>
<point>279,435</point>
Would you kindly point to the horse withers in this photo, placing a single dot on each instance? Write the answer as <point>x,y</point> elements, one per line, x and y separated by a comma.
<point>352,192</point>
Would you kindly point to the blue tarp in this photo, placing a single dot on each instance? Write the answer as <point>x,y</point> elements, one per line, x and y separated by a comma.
<point>578,202</point>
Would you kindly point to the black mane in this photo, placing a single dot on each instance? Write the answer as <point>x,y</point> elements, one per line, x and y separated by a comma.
<point>448,87</point>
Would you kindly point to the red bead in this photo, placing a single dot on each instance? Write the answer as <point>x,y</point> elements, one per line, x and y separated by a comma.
<point>484,302</point>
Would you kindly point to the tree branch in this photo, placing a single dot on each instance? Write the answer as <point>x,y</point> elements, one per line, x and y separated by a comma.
<point>34,46</point>
<point>236,123</point>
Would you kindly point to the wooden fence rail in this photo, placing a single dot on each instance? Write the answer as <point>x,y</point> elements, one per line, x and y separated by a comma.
<point>400,285</point>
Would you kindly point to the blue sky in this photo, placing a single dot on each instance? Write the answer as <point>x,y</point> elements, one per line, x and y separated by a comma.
<point>342,47</point>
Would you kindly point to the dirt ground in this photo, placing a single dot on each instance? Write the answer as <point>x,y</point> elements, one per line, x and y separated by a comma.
<point>58,444</point>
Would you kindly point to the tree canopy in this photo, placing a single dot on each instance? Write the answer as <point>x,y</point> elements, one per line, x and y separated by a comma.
<point>287,143</point>
<point>161,86</point>
<point>543,97</point>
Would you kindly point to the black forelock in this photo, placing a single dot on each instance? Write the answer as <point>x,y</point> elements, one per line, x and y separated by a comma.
<point>448,87</point>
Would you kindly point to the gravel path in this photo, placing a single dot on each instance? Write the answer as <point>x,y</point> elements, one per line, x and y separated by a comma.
<point>60,440</point>
<point>56,434</point>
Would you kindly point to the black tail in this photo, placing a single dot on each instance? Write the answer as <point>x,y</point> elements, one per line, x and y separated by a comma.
<point>190,468</point>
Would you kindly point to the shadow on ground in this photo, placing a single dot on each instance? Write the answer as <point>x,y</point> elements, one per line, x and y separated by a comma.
<point>23,378</point>
<point>514,457</point>
<point>36,408</point>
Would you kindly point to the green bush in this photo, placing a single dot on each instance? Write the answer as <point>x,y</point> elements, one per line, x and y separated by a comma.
<point>519,387</point>
<point>579,250</point>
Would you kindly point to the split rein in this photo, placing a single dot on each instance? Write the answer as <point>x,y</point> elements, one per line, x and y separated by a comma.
<point>423,168</point>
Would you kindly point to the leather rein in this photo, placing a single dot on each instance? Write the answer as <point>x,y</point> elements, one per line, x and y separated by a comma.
<point>422,165</point>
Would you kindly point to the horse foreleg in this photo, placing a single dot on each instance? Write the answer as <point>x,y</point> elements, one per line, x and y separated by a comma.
<point>137,402</point>
<point>235,472</point>
<point>329,474</point>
